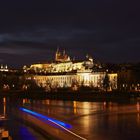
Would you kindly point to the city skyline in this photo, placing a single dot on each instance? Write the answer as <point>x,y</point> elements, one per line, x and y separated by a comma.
<point>31,31</point>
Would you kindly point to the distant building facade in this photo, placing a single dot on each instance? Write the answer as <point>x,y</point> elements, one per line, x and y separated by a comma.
<point>129,79</point>
<point>88,79</point>
<point>4,68</point>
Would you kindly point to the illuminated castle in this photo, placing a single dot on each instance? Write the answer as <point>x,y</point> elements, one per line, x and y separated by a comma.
<point>64,72</point>
<point>62,63</point>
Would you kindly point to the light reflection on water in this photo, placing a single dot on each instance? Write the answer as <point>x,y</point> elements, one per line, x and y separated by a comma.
<point>94,119</point>
<point>3,108</point>
<point>8,121</point>
<point>76,107</point>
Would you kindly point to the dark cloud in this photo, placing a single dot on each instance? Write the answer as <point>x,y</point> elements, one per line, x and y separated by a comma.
<point>31,30</point>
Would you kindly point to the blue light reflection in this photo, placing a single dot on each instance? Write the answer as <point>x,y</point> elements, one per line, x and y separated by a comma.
<point>46,118</point>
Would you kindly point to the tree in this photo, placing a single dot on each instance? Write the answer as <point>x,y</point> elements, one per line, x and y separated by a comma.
<point>106,82</point>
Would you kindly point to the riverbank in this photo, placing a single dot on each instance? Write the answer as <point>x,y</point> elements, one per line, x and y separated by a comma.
<point>77,96</point>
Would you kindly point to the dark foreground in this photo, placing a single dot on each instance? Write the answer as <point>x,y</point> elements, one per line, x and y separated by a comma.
<point>76,96</point>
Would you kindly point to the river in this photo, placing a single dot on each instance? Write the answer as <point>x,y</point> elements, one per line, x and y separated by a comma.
<point>89,120</point>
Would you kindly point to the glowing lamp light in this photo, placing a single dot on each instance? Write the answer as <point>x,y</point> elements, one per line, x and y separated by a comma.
<point>68,126</point>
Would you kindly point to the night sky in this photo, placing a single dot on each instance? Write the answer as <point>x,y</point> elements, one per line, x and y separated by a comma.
<point>31,30</point>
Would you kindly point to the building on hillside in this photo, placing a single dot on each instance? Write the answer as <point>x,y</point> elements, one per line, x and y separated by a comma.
<point>62,63</point>
<point>64,72</point>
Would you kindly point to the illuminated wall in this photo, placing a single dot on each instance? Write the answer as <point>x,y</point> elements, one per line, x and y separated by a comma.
<point>79,79</point>
<point>57,67</point>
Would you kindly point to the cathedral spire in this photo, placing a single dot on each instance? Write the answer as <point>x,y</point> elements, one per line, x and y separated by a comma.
<point>64,52</point>
<point>57,49</point>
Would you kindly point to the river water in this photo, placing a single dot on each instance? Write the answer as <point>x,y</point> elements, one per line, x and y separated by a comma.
<point>90,120</point>
<point>17,129</point>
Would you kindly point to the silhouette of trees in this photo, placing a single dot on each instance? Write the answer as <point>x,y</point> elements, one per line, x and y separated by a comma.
<point>106,82</point>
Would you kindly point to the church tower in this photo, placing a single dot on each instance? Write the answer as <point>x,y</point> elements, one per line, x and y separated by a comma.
<point>61,56</point>
<point>57,54</point>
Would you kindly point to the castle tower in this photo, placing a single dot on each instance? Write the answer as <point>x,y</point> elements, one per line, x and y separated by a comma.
<point>61,56</point>
<point>57,54</point>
